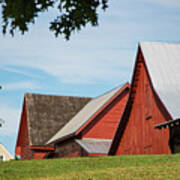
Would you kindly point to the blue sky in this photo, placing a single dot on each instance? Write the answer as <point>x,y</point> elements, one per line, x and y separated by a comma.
<point>91,63</point>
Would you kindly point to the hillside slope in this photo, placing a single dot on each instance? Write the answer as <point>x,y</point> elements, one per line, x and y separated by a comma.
<point>96,168</point>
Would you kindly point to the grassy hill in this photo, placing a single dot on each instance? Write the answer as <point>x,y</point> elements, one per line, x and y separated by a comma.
<point>105,168</point>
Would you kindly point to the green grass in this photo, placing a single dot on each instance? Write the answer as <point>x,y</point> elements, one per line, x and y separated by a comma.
<point>105,168</point>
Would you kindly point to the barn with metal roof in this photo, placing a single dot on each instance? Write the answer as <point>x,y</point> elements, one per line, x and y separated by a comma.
<point>64,126</point>
<point>91,130</point>
<point>154,99</point>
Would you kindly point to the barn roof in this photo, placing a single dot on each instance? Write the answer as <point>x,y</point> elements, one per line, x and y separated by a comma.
<point>96,146</point>
<point>163,64</point>
<point>85,114</point>
<point>47,114</point>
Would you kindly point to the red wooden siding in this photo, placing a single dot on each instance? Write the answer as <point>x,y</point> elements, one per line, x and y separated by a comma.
<point>137,135</point>
<point>43,148</point>
<point>94,154</point>
<point>105,124</point>
<point>39,155</point>
<point>22,146</point>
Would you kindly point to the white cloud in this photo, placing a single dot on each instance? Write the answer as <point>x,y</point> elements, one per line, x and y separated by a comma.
<point>18,71</point>
<point>78,67</point>
<point>20,85</point>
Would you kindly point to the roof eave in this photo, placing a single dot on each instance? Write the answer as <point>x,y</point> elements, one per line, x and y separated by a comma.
<point>170,123</point>
<point>60,139</point>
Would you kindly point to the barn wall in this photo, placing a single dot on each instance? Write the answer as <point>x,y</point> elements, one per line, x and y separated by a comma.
<point>68,149</point>
<point>22,147</point>
<point>39,154</point>
<point>139,136</point>
<point>94,154</point>
<point>105,124</point>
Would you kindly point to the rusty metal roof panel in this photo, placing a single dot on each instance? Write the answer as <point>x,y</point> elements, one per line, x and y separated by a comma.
<point>96,146</point>
<point>163,63</point>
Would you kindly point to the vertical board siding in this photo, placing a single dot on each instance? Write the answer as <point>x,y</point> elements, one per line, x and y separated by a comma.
<point>22,147</point>
<point>139,136</point>
<point>39,155</point>
<point>94,154</point>
<point>105,124</point>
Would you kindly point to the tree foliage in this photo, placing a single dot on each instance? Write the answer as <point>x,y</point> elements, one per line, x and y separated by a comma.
<point>72,14</point>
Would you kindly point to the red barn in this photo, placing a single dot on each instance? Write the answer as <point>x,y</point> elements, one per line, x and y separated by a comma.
<point>58,126</point>
<point>154,99</point>
<point>90,132</point>
<point>42,116</point>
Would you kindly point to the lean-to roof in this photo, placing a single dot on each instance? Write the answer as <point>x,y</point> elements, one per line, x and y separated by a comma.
<point>47,114</point>
<point>95,146</point>
<point>85,114</point>
<point>163,64</point>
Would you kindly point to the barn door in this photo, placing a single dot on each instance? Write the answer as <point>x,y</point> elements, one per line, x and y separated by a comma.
<point>176,145</point>
<point>175,139</point>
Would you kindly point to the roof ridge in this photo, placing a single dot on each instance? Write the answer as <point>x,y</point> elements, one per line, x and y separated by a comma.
<point>38,94</point>
<point>119,86</point>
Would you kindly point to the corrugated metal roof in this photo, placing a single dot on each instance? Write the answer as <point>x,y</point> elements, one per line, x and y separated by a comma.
<point>163,63</point>
<point>97,146</point>
<point>84,115</point>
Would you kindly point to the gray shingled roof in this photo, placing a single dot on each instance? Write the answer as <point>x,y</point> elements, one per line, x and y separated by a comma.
<point>48,114</point>
<point>97,146</point>
<point>84,115</point>
<point>163,63</point>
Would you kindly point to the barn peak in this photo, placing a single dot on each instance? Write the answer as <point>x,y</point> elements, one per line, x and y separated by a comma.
<point>163,64</point>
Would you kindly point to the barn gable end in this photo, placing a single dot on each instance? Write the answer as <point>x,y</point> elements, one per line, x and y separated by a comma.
<point>42,116</point>
<point>136,133</point>
<point>108,119</point>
